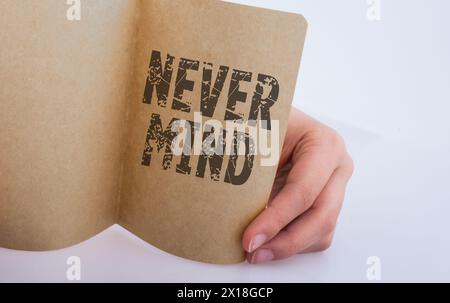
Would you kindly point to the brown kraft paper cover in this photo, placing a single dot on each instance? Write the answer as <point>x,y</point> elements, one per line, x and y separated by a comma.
<point>88,110</point>
<point>62,101</point>
<point>210,57</point>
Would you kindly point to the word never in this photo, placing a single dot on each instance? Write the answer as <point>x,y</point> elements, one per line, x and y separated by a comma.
<point>159,79</point>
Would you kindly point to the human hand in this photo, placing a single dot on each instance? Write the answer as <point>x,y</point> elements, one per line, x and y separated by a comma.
<point>307,194</point>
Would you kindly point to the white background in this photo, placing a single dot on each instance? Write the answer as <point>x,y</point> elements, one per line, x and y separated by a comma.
<point>385,86</point>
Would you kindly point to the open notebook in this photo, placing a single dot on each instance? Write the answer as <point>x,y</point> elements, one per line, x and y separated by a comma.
<point>87,109</point>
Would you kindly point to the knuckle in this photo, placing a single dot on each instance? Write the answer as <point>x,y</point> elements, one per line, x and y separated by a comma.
<point>276,223</point>
<point>328,223</point>
<point>325,244</point>
<point>333,138</point>
<point>290,249</point>
<point>306,196</point>
<point>350,164</point>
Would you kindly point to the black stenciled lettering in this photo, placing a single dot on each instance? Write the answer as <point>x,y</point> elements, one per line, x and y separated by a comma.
<point>159,78</point>
<point>235,95</point>
<point>183,167</point>
<point>182,84</point>
<point>211,157</point>
<point>265,96</point>
<point>231,175</point>
<point>211,96</point>
<point>156,136</point>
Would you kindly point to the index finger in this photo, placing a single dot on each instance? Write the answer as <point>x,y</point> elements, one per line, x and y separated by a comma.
<point>308,176</point>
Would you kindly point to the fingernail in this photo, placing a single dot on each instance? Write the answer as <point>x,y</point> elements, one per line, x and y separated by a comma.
<point>256,242</point>
<point>261,256</point>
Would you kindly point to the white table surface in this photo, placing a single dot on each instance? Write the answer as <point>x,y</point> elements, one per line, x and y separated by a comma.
<point>385,85</point>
